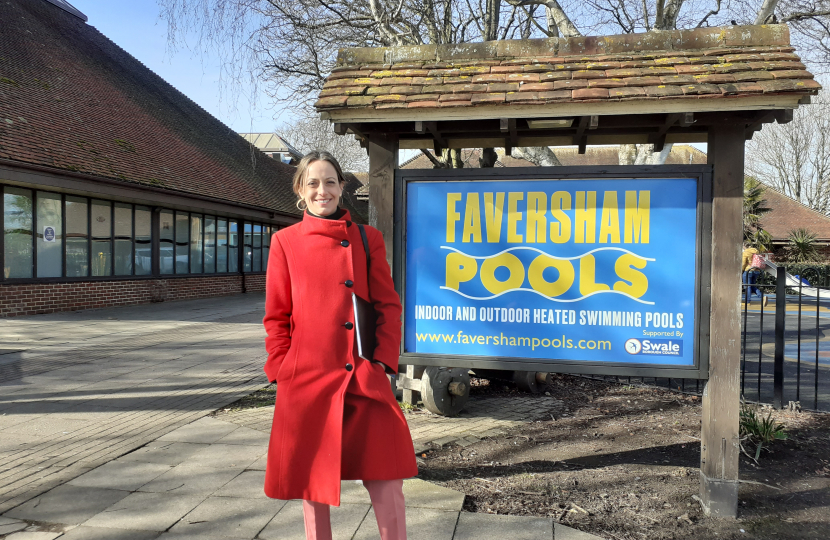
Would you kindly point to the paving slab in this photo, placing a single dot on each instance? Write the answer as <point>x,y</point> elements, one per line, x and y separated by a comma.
<point>229,517</point>
<point>165,453</point>
<point>12,525</point>
<point>563,532</point>
<point>33,535</point>
<point>353,492</point>
<point>421,524</point>
<point>227,456</point>
<point>288,523</point>
<point>124,475</point>
<point>248,485</point>
<point>146,511</point>
<point>71,505</point>
<point>477,526</point>
<point>246,436</point>
<point>420,494</point>
<point>188,479</point>
<point>203,430</point>
<point>100,533</point>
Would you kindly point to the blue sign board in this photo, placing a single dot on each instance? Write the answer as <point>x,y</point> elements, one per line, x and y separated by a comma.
<point>593,270</point>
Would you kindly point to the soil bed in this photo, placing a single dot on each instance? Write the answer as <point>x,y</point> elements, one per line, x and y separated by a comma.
<point>621,462</point>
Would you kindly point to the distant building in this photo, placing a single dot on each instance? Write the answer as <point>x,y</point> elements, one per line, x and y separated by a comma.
<point>272,145</point>
<point>786,214</point>
<point>117,189</point>
<point>681,154</point>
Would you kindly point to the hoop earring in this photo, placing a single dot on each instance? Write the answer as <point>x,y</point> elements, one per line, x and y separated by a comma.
<point>301,205</point>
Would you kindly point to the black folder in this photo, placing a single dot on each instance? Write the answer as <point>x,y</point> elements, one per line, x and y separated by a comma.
<point>364,327</point>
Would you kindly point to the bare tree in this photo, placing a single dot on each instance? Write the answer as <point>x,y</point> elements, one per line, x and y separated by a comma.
<point>291,45</point>
<point>794,158</point>
<point>310,133</point>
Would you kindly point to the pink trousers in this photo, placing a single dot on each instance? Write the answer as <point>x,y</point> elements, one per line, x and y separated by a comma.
<point>387,500</point>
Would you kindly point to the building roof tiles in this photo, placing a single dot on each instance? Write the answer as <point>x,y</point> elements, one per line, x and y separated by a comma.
<point>706,63</point>
<point>78,102</point>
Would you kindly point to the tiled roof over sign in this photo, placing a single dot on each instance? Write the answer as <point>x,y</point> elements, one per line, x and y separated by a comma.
<point>72,100</point>
<point>705,63</point>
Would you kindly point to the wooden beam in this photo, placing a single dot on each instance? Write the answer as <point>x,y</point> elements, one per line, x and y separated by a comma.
<point>784,117</point>
<point>440,142</point>
<point>658,139</point>
<point>508,126</point>
<point>580,139</point>
<point>720,443</point>
<point>383,160</point>
<point>568,109</point>
<point>340,128</point>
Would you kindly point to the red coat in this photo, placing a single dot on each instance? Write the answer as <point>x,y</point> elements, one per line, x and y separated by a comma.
<point>335,416</point>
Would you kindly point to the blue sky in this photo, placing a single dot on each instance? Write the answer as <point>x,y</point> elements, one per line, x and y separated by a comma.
<point>134,25</point>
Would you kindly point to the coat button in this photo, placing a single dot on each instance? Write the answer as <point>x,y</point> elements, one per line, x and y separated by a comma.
<point>348,326</point>
<point>344,243</point>
<point>349,283</point>
<point>348,367</point>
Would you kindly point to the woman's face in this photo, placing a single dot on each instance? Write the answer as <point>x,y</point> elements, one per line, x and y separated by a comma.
<point>322,190</point>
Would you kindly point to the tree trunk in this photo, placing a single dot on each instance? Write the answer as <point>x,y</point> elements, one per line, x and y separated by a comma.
<point>488,158</point>
<point>541,156</point>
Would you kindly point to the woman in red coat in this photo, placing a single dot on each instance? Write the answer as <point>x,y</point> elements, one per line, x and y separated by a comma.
<point>336,417</point>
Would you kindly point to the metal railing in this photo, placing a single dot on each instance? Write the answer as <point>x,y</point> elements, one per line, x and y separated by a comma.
<point>783,356</point>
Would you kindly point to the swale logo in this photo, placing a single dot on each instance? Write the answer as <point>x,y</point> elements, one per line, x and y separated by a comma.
<point>633,346</point>
<point>662,347</point>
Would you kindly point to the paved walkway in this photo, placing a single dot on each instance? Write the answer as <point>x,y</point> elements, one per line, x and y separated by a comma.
<point>105,434</point>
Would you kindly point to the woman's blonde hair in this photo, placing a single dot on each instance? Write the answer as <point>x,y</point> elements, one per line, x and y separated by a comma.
<point>302,172</point>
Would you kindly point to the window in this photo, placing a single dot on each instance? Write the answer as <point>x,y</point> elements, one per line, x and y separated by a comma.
<point>143,241</point>
<point>123,239</point>
<point>17,233</point>
<point>182,242</point>
<point>222,246</point>
<point>266,244</point>
<point>195,244</point>
<point>210,244</point>
<point>247,247</point>
<point>49,235</point>
<point>77,237</point>
<point>257,266</point>
<point>101,226</point>
<point>166,244</point>
<point>233,247</point>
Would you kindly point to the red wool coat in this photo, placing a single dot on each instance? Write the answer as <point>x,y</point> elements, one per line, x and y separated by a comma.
<point>335,415</point>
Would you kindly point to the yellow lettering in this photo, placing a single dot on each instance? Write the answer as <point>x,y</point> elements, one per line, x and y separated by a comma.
<point>537,223</point>
<point>452,215</point>
<point>609,222</point>
<point>460,268</point>
<point>472,219</point>
<point>493,213</point>
<point>638,281</point>
<point>560,232</point>
<point>514,280</point>
<point>550,288</point>
<point>585,217</point>
<point>637,217</point>
<point>587,276</point>
<point>513,217</point>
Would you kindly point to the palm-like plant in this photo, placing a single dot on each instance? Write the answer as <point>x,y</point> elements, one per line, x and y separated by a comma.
<point>801,246</point>
<point>754,208</point>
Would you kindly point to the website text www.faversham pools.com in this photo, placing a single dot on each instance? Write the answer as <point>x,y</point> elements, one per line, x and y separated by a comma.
<point>513,341</point>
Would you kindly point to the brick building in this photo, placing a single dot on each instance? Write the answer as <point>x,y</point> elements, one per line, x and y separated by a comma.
<point>117,189</point>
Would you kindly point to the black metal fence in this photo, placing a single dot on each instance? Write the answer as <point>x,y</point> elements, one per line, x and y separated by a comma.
<point>784,355</point>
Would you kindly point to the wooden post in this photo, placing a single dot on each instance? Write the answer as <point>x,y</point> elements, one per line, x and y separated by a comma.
<point>383,160</point>
<point>721,394</point>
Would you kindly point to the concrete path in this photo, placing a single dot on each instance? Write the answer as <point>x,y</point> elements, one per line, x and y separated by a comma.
<point>104,434</point>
